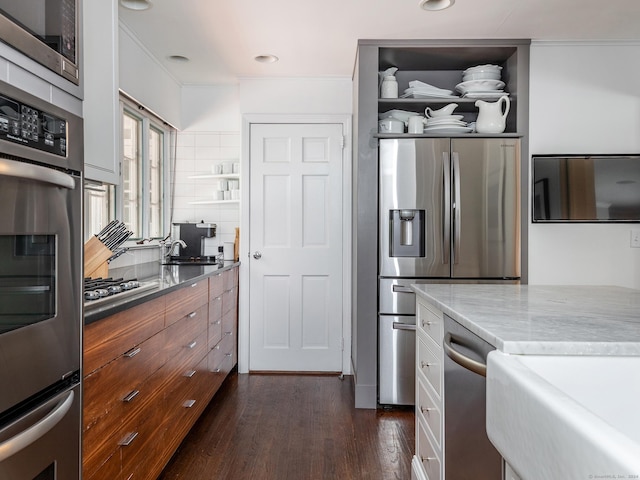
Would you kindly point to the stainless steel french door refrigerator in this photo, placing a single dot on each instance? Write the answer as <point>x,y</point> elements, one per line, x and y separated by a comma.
<point>449,210</point>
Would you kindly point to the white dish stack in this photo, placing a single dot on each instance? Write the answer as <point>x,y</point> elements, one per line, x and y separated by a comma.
<point>482,82</point>
<point>443,121</point>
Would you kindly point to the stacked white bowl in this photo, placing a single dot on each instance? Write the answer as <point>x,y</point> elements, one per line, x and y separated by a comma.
<point>482,81</point>
<point>482,72</point>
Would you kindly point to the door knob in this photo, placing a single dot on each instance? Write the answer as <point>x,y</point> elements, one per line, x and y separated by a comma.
<point>257,255</point>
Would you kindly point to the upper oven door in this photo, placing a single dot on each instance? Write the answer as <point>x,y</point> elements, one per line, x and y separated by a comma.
<point>40,276</point>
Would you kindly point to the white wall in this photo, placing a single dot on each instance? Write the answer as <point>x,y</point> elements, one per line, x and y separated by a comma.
<point>327,95</point>
<point>585,99</point>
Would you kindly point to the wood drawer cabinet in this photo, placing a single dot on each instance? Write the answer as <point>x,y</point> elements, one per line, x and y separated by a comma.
<point>149,373</point>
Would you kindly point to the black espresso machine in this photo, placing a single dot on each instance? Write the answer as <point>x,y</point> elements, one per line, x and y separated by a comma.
<point>191,246</point>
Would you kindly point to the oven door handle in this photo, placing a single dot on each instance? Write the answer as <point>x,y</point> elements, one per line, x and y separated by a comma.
<point>28,171</point>
<point>462,360</point>
<point>37,430</point>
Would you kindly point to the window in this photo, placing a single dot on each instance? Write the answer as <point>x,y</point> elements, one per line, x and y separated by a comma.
<point>139,199</point>
<point>145,143</point>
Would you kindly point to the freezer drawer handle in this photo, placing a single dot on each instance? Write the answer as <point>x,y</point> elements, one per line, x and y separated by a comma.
<point>401,289</point>
<point>462,360</point>
<point>37,430</point>
<point>403,326</point>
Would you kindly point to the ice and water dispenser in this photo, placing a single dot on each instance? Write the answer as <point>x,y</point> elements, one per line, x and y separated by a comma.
<point>407,233</point>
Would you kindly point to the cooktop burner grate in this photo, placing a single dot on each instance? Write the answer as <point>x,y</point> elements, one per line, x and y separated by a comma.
<point>97,288</point>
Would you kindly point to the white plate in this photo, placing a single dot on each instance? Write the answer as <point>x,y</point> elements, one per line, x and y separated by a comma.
<point>427,95</point>
<point>479,85</point>
<point>447,129</point>
<point>494,95</point>
<point>446,118</point>
<point>434,122</point>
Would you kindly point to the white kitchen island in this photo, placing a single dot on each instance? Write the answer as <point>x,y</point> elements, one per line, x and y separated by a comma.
<point>555,415</point>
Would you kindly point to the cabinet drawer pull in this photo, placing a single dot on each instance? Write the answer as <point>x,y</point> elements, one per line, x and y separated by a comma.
<point>133,352</point>
<point>126,441</point>
<point>426,364</point>
<point>192,314</point>
<point>190,373</point>
<point>228,333</point>
<point>130,396</point>
<point>189,403</point>
<point>217,370</point>
<point>218,322</point>
<point>217,347</point>
<point>426,323</point>
<point>192,344</point>
<point>426,409</point>
<point>228,354</point>
<point>194,285</point>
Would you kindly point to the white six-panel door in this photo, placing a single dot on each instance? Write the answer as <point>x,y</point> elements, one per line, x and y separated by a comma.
<point>295,297</point>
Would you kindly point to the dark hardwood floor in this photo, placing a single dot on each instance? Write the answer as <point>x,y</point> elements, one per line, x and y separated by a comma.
<point>279,427</point>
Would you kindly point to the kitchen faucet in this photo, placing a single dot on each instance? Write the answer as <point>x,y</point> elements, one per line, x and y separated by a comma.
<point>172,245</point>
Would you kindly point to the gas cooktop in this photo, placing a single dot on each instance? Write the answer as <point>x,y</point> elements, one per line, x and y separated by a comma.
<point>101,290</point>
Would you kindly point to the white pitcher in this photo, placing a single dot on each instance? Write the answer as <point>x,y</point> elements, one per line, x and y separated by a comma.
<point>491,119</point>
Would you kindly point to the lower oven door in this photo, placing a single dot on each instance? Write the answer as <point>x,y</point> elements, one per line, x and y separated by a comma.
<point>40,279</point>
<point>44,443</point>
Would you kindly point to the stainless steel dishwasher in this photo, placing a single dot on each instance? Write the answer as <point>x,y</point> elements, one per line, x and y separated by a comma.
<point>468,452</point>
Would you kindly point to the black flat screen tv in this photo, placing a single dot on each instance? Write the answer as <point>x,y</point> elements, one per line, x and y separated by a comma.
<point>585,188</point>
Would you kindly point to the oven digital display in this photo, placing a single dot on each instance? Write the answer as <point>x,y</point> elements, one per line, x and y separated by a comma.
<point>20,123</point>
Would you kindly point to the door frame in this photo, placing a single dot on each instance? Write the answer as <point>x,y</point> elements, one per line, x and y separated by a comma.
<point>245,265</point>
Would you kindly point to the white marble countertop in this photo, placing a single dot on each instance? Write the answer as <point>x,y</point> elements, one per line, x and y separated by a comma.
<point>544,320</point>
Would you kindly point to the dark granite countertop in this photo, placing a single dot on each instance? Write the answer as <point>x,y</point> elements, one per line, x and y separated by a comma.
<point>160,280</point>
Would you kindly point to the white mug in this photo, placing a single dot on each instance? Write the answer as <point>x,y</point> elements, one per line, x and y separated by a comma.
<point>416,124</point>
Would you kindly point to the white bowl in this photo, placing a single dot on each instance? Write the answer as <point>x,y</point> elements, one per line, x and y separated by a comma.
<point>483,68</point>
<point>481,76</point>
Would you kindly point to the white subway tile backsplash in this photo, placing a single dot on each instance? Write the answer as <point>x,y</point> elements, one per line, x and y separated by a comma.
<point>207,140</point>
<point>197,153</point>
<point>230,140</point>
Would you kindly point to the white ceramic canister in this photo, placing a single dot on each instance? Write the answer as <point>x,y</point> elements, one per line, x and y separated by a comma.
<point>389,88</point>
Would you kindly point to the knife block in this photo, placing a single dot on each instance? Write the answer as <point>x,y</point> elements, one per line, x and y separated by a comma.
<point>96,255</point>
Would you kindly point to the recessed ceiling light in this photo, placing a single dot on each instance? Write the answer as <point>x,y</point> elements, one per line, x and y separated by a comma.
<point>266,58</point>
<point>136,4</point>
<point>178,58</point>
<point>433,5</point>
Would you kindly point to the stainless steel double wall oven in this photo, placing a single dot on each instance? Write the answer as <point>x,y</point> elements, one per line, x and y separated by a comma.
<point>40,288</point>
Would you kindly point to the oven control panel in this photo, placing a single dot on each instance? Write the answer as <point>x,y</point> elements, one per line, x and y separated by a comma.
<point>23,124</point>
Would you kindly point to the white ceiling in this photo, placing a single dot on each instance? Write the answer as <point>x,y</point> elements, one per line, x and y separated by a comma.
<point>312,38</point>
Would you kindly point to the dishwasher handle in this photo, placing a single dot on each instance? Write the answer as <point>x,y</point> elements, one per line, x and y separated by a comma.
<point>462,360</point>
<point>404,326</point>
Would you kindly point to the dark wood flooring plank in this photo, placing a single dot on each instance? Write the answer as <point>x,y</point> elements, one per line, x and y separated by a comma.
<point>298,427</point>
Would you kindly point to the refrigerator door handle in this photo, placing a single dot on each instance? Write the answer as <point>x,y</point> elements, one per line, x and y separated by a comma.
<point>446,211</point>
<point>456,207</point>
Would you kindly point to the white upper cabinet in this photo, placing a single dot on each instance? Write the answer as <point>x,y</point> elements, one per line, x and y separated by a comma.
<point>101,100</point>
